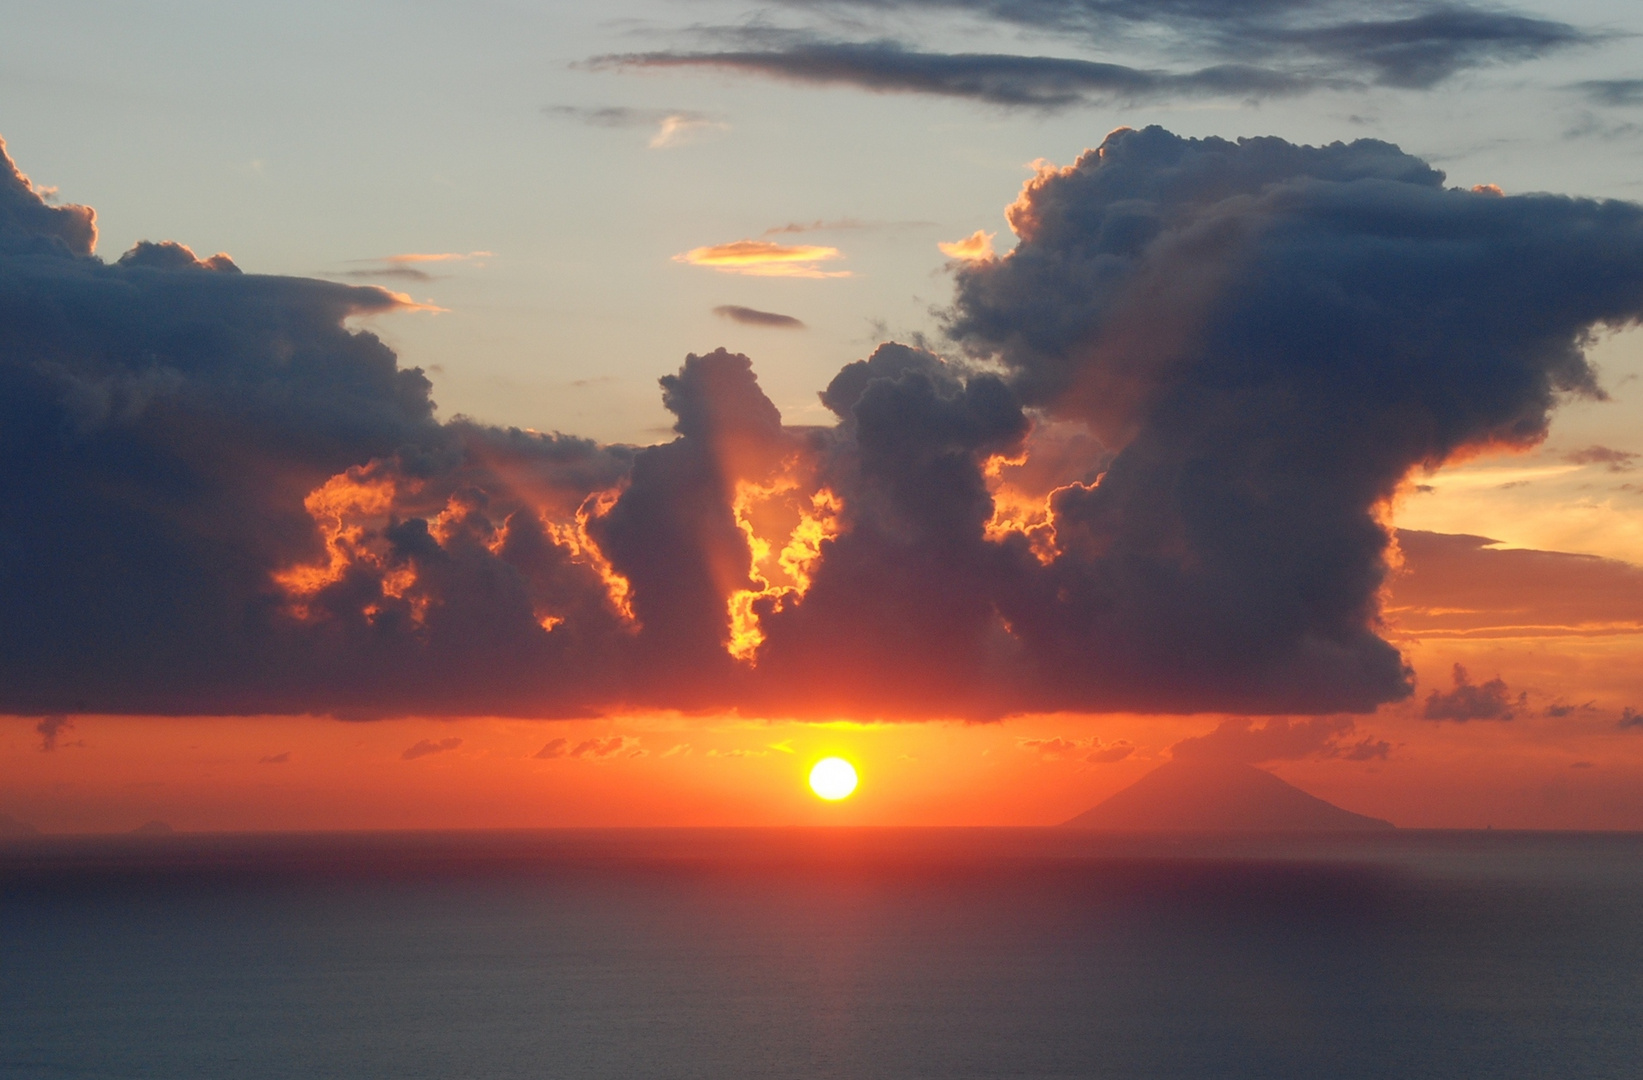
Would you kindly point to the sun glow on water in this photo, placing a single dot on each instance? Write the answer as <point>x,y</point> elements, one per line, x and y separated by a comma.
<point>833,778</point>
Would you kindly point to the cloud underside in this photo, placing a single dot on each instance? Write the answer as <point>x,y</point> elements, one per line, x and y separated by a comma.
<point>1041,82</point>
<point>1239,51</point>
<point>1148,478</point>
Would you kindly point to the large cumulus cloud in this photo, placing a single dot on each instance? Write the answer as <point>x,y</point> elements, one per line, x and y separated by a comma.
<point>1151,481</point>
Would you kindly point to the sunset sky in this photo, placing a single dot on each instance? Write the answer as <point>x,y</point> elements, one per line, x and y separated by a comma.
<point>1019,428</point>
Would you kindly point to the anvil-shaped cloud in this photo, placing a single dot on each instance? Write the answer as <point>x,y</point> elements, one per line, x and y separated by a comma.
<point>1151,478</point>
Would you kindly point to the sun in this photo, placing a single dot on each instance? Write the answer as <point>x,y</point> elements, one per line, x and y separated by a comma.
<point>833,778</point>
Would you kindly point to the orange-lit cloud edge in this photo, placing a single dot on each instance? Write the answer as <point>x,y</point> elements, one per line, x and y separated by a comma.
<point>1563,752</point>
<point>765,258</point>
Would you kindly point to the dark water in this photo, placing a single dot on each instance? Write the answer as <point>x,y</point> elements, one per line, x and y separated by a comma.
<point>859,954</point>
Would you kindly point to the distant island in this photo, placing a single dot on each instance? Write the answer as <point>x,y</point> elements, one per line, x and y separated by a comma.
<point>1217,796</point>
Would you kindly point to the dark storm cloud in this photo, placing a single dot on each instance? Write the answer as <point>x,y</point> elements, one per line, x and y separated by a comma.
<point>1154,484</point>
<point>1272,337</point>
<point>754,317</point>
<point>1467,701</point>
<point>1281,739</point>
<point>1040,82</point>
<point>1415,45</point>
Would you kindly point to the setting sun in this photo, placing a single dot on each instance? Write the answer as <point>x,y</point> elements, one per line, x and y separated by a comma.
<point>833,778</point>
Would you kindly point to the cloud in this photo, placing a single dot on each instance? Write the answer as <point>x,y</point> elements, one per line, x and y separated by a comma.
<point>1281,739</point>
<point>1271,338</point>
<point>1612,91</point>
<point>555,748</point>
<point>1422,50</point>
<point>276,759</point>
<point>673,126</point>
<point>1489,701</point>
<point>597,749</point>
<point>1039,82</point>
<point>1149,477</point>
<point>765,258</point>
<point>50,727</point>
<point>1054,749</point>
<point>1455,586</point>
<point>1616,460</point>
<point>430,746</point>
<point>1092,750</point>
<point>1413,45</point>
<point>753,317</point>
<point>977,247</point>
<point>1630,718</point>
<point>406,267</point>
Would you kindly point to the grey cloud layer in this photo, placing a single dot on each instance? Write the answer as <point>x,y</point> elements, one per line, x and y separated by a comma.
<point>1216,358</point>
<point>1411,44</point>
<point>1043,82</point>
<point>1243,50</point>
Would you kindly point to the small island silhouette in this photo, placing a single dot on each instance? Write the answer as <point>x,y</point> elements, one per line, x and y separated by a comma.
<point>1195,795</point>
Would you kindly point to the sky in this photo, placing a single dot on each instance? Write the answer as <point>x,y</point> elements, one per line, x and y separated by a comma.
<point>597,416</point>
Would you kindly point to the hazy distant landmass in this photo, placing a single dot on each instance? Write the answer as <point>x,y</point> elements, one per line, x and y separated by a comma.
<point>153,828</point>
<point>10,826</point>
<point>1218,796</point>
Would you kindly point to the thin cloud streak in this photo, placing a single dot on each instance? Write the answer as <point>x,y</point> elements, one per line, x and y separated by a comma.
<point>1417,47</point>
<point>673,127</point>
<point>1037,82</point>
<point>404,267</point>
<point>754,317</point>
<point>765,258</point>
<point>1612,91</point>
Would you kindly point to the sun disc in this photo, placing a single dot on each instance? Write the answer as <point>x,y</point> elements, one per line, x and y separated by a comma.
<point>833,778</point>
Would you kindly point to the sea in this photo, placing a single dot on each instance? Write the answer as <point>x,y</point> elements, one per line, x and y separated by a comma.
<point>853,953</point>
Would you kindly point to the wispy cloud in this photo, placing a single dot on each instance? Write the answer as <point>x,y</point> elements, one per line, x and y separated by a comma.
<point>597,749</point>
<point>1414,44</point>
<point>430,746</point>
<point>672,127</point>
<point>1612,91</point>
<point>765,258</point>
<point>1092,750</point>
<point>754,317</point>
<point>408,266</point>
<point>1616,460</point>
<point>1039,82</point>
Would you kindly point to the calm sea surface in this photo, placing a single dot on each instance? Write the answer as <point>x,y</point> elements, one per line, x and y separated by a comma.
<point>805,953</point>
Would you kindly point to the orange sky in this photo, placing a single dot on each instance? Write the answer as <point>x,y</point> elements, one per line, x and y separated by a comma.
<point>1578,770</point>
